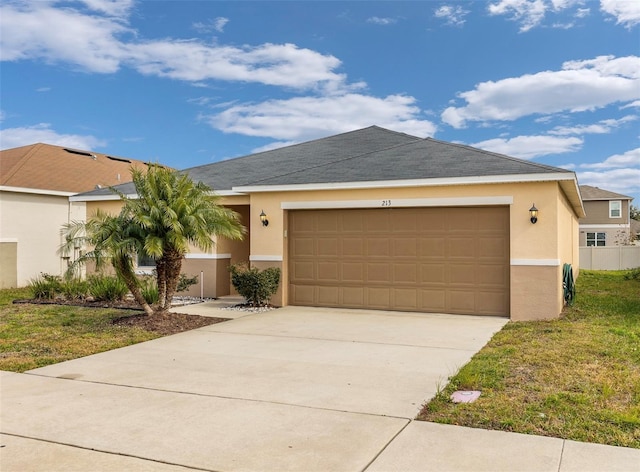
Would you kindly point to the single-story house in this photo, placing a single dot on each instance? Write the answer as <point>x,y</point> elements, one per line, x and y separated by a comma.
<point>36,182</point>
<point>377,219</point>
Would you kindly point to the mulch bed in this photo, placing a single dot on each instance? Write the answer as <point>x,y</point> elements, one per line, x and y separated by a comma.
<point>162,323</point>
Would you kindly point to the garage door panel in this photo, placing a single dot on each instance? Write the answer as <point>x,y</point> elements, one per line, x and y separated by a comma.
<point>353,247</point>
<point>303,294</point>
<point>403,222</point>
<point>352,272</point>
<point>405,299</point>
<point>328,272</point>
<point>327,247</point>
<point>353,297</point>
<point>462,274</point>
<point>303,247</point>
<point>378,297</point>
<point>303,271</point>
<point>378,272</point>
<point>433,274</point>
<point>378,247</point>
<point>328,296</point>
<point>452,260</point>
<point>433,247</point>
<point>433,300</point>
<point>405,247</point>
<point>326,222</point>
<point>461,248</point>
<point>405,274</point>
<point>377,222</point>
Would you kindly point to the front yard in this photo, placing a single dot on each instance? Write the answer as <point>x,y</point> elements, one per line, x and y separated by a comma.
<point>575,378</point>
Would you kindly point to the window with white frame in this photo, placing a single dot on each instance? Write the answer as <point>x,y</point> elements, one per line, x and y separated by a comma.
<point>596,239</point>
<point>615,209</point>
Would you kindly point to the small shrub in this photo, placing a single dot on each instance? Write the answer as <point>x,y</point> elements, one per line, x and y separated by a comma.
<point>185,282</point>
<point>74,288</point>
<point>45,286</point>
<point>257,287</point>
<point>149,289</point>
<point>633,274</point>
<point>107,288</point>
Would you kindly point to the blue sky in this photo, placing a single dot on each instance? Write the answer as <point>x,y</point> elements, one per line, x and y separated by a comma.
<point>187,83</point>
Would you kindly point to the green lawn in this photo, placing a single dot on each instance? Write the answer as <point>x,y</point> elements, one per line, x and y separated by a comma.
<point>575,378</point>
<point>33,336</point>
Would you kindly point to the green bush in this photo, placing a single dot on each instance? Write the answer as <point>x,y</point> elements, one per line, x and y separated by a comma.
<point>107,288</point>
<point>256,286</point>
<point>184,282</point>
<point>46,286</point>
<point>633,274</point>
<point>149,288</point>
<point>74,288</point>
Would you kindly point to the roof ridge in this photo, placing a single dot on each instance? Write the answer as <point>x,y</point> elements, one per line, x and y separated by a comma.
<point>504,156</point>
<point>341,160</point>
<point>23,160</point>
<point>255,154</point>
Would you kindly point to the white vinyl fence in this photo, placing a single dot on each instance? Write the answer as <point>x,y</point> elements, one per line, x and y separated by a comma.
<point>610,257</point>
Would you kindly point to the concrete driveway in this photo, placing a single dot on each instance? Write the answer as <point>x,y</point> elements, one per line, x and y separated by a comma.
<point>298,389</point>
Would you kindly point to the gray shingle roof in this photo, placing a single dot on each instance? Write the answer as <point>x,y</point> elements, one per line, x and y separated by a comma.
<point>594,193</point>
<point>366,155</point>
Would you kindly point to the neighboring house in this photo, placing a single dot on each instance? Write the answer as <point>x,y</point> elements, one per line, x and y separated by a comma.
<point>36,182</point>
<point>377,219</point>
<point>607,221</point>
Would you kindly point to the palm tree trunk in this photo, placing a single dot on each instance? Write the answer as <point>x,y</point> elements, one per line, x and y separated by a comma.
<point>173,267</point>
<point>161,281</point>
<point>123,269</point>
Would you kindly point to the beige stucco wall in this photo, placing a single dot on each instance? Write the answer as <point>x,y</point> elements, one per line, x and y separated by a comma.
<point>537,251</point>
<point>33,222</point>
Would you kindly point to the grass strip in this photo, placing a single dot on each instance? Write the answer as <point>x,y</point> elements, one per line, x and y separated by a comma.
<point>576,378</point>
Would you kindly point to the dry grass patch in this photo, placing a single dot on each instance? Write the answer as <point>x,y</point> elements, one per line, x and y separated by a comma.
<point>575,378</point>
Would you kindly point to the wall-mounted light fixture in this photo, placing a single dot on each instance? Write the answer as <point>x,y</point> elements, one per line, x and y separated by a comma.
<point>533,212</point>
<point>263,218</point>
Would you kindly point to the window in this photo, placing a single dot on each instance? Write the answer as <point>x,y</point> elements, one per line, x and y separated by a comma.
<point>145,260</point>
<point>596,239</point>
<point>615,209</point>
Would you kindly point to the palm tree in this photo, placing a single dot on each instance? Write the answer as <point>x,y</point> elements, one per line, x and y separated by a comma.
<point>113,238</point>
<point>170,214</point>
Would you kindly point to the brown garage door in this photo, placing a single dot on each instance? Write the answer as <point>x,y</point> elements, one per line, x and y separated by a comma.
<point>447,260</point>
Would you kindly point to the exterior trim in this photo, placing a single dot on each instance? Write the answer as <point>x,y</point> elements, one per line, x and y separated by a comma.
<point>535,262</point>
<point>489,179</point>
<point>398,203</point>
<point>99,198</point>
<point>38,191</point>
<point>9,240</point>
<point>207,256</point>
<point>611,226</point>
<point>267,258</point>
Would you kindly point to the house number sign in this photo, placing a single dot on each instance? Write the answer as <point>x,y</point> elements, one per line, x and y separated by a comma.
<point>386,203</point>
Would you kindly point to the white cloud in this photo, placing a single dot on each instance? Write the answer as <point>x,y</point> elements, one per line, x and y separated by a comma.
<point>42,133</point>
<point>305,118</point>
<point>115,8</point>
<point>382,21</point>
<point>579,86</point>
<point>454,15</point>
<point>616,180</point>
<point>529,13</point>
<point>628,159</point>
<point>635,104</point>
<point>43,89</point>
<point>602,127</point>
<point>529,147</point>
<point>217,24</point>
<point>627,12</point>
<point>104,44</point>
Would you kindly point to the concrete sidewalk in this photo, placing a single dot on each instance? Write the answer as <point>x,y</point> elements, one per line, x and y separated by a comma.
<point>298,389</point>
